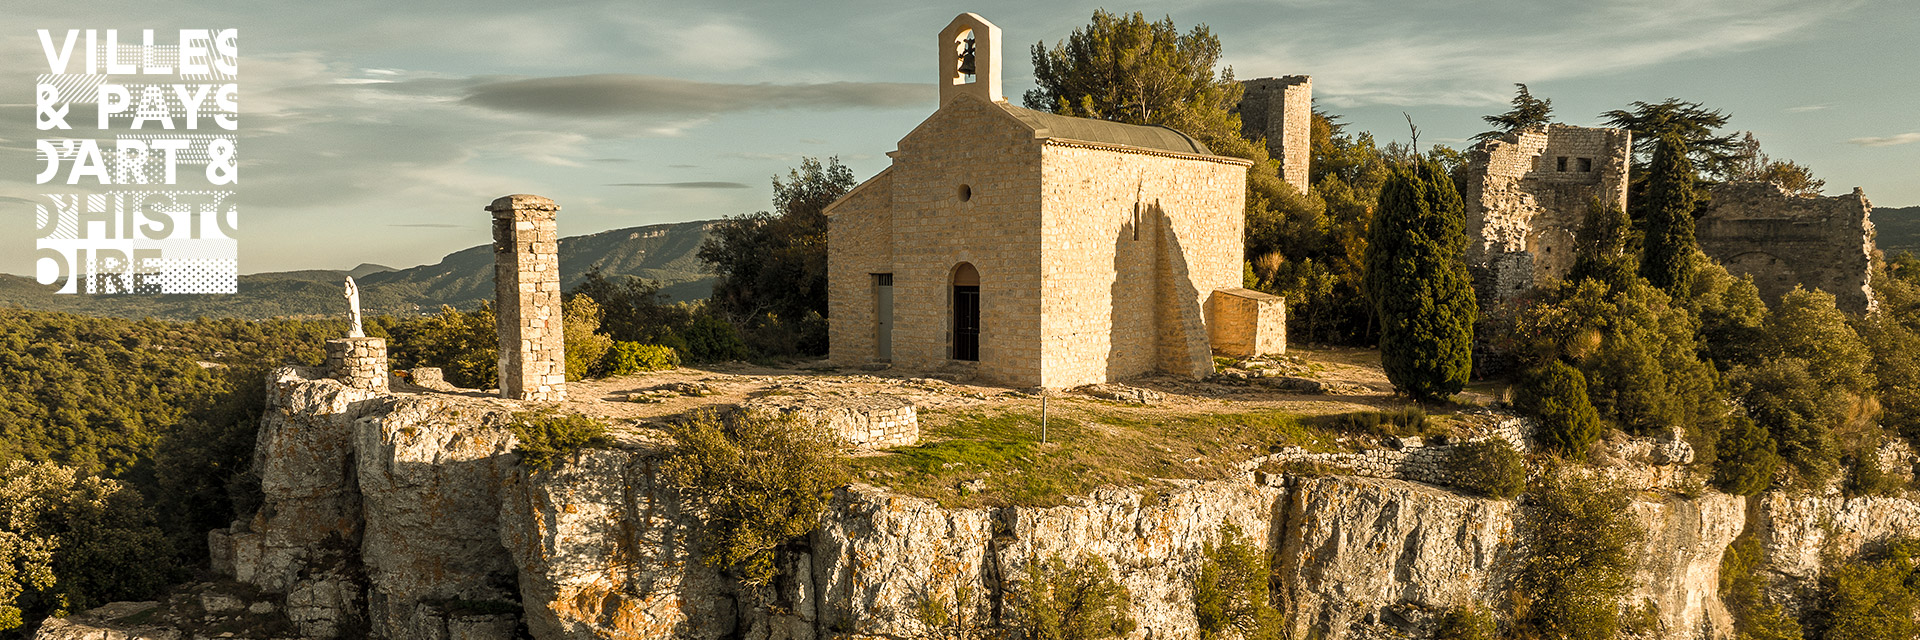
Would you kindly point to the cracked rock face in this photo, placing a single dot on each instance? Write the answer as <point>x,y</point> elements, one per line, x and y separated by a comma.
<point>407,516</point>
<point>1362,551</point>
<point>604,551</point>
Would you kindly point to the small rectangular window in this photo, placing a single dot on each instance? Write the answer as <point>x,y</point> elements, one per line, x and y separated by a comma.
<point>883,279</point>
<point>1586,165</point>
<point>1562,164</point>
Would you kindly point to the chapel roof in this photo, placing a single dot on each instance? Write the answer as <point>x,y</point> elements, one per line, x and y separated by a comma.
<point>1158,138</point>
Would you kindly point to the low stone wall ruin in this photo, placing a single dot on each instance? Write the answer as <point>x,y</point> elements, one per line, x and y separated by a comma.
<point>867,422</point>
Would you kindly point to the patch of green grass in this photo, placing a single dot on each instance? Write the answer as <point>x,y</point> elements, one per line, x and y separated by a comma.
<point>1089,444</point>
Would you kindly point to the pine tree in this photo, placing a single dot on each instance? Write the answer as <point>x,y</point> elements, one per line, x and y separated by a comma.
<point>1418,284</point>
<point>1670,201</point>
<point>1527,111</point>
<point>1747,458</point>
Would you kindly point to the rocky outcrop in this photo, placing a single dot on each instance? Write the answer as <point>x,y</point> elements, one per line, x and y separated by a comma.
<point>605,551</point>
<point>1677,567</point>
<point>407,516</point>
<point>1364,552</point>
<point>378,511</point>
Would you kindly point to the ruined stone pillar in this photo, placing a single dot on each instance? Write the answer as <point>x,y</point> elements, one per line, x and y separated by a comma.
<point>526,289</point>
<point>360,363</point>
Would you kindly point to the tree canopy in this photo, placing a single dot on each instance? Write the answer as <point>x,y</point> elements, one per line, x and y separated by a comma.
<point>1527,111</point>
<point>1717,154</point>
<point>1419,285</point>
<point>1126,69</point>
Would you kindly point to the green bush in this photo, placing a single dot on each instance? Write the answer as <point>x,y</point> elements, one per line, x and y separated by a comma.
<point>1466,623</point>
<point>1747,458</point>
<point>627,358</point>
<point>1866,478</point>
<point>1230,597</point>
<point>757,481</point>
<point>1556,396</point>
<point>586,347</point>
<point>1579,560</point>
<point>1872,597</point>
<point>711,339</point>
<point>547,435</point>
<point>1742,586</point>
<point>1077,600</point>
<point>1490,468</point>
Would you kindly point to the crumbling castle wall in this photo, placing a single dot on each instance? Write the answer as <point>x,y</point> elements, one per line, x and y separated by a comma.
<point>1782,240</point>
<point>1526,194</point>
<point>1281,111</point>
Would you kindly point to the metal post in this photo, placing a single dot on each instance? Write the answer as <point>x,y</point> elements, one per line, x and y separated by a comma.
<point>1043,416</point>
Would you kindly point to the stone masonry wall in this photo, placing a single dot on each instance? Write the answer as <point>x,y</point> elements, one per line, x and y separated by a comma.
<point>868,422</point>
<point>1281,110</point>
<point>1133,244</point>
<point>360,363</point>
<point>977,144</point>
<point>526,287</point>
<point>1529,191</point>
<point>1245,323</point>
<point>1782,240</point>
<point>859,245</point>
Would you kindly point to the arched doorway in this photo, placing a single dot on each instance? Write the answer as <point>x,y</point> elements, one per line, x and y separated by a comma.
<point>966,313</point>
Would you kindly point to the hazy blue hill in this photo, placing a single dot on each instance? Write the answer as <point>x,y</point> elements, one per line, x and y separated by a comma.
<point>663,252</point>
<point>1897,230</point>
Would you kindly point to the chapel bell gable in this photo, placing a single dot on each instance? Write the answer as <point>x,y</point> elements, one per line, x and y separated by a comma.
<point>970,59</point>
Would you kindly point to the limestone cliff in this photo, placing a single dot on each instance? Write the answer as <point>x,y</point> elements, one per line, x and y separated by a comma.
<point>407,516</point>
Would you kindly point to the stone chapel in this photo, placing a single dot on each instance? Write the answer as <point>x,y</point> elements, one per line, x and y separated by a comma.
<point>1038,250</point>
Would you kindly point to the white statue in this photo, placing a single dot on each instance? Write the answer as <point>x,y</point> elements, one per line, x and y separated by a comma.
<point>353,310</point>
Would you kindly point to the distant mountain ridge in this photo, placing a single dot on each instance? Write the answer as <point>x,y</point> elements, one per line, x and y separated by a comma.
<point>663,252</point>
<point>1897,229</point>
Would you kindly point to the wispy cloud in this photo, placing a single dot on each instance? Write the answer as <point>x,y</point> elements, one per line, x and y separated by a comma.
<point>617,94</point>
<point>684,185</point>
<point>426,225</point>
<point>1888,141</point>
<point>1808,107</point>
<point>1443,54</point>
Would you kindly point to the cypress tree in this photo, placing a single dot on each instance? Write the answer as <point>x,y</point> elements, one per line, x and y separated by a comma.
<point>1670,201</point>
<point>1601,248</point>
<point>1418,283</point>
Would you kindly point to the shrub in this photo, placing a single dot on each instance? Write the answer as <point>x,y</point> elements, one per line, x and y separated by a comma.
<point>1866,478</point>
<point>1579,561</point>
<point>632,357</point>
<point>547,435</point>
<point>1556,396</point>
<point>1742,587</point>
<point>1411,421</point>
<point>1076,600</point>
<point>1231,592</point>
<point>959,615</point>
<point>1466,623</point>
<point>1798,411</point>
<point>757,481</point>
<point>711,339</point>
<point>1490,468</point>
<point>1747,458</point>
<point>1873,597</point>
<point>586,348</point>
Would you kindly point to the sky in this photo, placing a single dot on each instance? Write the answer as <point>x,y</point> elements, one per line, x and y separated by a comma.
<point>376,132</point>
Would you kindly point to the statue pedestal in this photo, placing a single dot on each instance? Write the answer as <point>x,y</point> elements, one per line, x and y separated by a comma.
<point>360,363</point>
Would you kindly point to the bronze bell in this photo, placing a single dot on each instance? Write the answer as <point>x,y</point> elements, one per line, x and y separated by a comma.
<point>966,58</point>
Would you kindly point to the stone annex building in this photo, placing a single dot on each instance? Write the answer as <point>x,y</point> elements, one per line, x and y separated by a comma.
<point>1034,249</point>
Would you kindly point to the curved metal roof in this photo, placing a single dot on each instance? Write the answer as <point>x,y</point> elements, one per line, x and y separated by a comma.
<point>1053,125</point>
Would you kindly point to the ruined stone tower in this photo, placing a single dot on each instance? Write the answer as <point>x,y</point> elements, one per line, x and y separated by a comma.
<point>1281,110</point>
<point>526,290</point>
